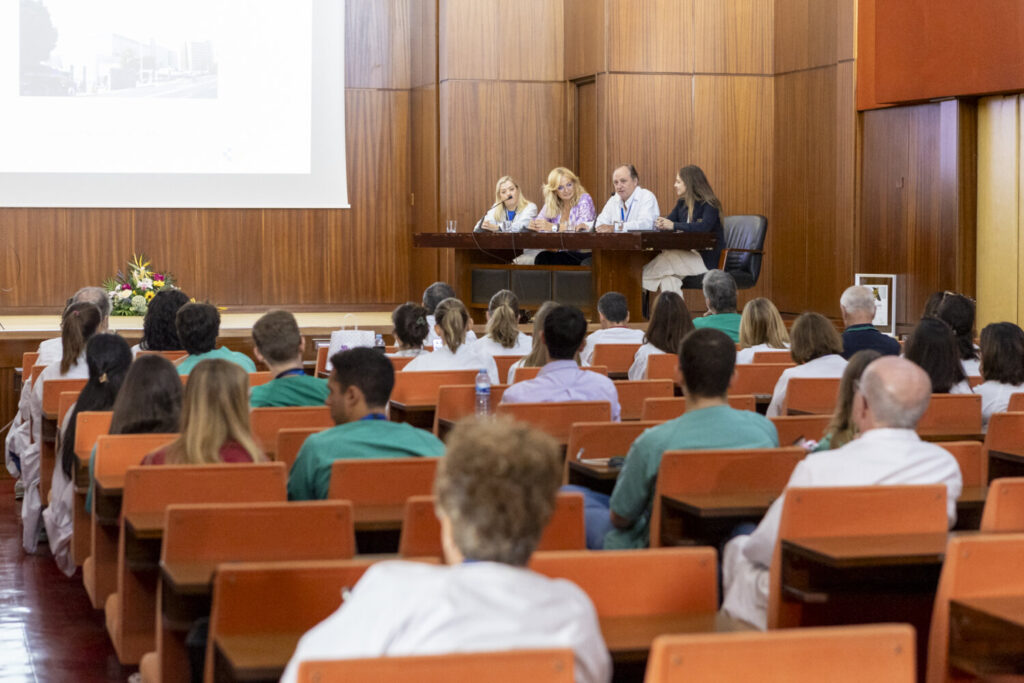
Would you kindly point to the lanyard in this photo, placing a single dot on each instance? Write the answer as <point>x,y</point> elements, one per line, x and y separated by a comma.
<point>373,416</point>
<point>624,212</point>
<point>292,371</point>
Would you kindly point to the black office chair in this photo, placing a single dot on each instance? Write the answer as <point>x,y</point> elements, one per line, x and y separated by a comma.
<point>744,250</point>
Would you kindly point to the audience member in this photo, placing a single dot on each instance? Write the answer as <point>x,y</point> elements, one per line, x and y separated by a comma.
<point>214,419</point>
<point>561,379</point>
<point>706,362</point>
<point>432,296</point>
<point>159,327</point>
<point>567,208</point>
<point>670,322</point>
<point>198,326</point>
<point>538,355</point>
<point>613,314</point>
<point>278,344</point>
<point>50,350</point>
<point>360,387</point>
<point>957,311</point>
<point>857,305</point>
<point>503,337</point>
<point>1002,367</point>
<point>892,396</point>
<point>495,491</point>
<point>631,205</point>
<point>720,297</point>
<point>816,349</point>
<point>842,430</point>
<point>761,329</point>
<point>931,306</point>
<point>933,347</point>
<point>149,403</point>
<point>81,321</point>
<point>108,358</point>
<point>411,329</point>
<point>455,353</point>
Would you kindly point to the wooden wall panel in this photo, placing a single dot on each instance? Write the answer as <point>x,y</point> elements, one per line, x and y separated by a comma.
<point>468,35</point>
<point>96,244</point>
<point>846,165</point>
<point>300,272</point>
<point>639,131</point>
<point>530,38</point>
<point>587,133</point>
<point>534,141</point>
<point>34,259</point>
<point>650,36</point>
<point>805,34</point>
<point>233,281</point>
<point>584,22</point>
<point>469,153</point>
<point>424,181</point>
<point>423,42</point>
<point>377,44</point>
<point>170,238</point>
<point>733,36</point>
<point>846,29</point>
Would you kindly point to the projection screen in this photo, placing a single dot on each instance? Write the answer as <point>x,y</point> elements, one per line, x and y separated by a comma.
<point>172,103</point>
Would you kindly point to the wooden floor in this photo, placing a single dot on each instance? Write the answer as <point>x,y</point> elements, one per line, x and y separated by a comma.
<point>49,632</point>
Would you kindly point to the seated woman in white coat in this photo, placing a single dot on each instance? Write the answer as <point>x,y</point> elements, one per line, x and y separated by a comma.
<point>816,349</point>
<point>495,491</point>
<point>670,322</point>
<point>1002,368</point>
<point>503,337</point>
<point>454,354</point>
<point>511,212</point>
<point>108,358</point>
<point>933,346</point>
<point>761,329</point>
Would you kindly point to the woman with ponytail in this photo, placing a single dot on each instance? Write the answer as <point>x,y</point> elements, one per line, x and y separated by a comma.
<point>452,321</point>
<point>108,358</point>
<point>79,323</point>
<point>503,337</point>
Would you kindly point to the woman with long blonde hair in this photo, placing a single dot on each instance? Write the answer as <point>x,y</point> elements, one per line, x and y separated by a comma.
<point>503,337</point>
<point>567,208</point>
<point>510,207</point>
<point>214,419</point>
<point>451,323</point>
<point>761,329</point>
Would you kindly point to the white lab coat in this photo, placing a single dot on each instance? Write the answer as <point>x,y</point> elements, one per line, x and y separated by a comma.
<point>831,365</point>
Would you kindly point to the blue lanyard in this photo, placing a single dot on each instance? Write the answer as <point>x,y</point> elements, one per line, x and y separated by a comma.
<point>373,416</point>
<point>623,212</point>
<point>510,215</point>
<point>293,371</point>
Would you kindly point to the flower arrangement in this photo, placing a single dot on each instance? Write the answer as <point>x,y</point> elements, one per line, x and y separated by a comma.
<point>131,292</point>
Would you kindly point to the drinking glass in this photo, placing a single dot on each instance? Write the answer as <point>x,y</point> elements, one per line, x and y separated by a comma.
<point>452,226</point>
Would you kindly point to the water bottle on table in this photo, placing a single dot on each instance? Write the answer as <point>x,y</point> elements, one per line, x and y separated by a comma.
<point>378,343</point>
<point>483,393</point>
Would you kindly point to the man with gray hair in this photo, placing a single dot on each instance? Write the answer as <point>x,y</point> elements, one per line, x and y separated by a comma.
<point>892,396</point>
<point>50,350</point>
<point>858,307</point>
<point>720,297</point>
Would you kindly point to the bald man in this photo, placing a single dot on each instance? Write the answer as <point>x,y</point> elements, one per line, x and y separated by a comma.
<point>892,397</point>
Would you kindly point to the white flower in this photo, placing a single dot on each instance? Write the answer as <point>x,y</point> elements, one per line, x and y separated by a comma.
<point>139,304</point>
<point>146,283</point>
<point>124,294</point>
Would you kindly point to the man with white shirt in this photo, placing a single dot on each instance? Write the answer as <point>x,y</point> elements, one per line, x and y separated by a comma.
<point>892,396</point>
<point>613,313</point>
<point>632,205</point>
<point>432,296</point>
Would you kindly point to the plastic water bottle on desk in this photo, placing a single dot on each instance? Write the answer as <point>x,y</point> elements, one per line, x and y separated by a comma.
<point>483,393</point>
<point>378,343</point>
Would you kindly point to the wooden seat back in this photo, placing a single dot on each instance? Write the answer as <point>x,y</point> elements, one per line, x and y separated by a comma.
<point>64,403</point>
<point>504,363</point>
<point>421,531</point>
<point>384,481</point>
<point>603,439</point>
<point>304,594</point>
<point>1004,506</point>
<point>289,442</point>
<point>28,359</point>
<point>422,388</point>
<point>838,654</point>
<point>792,428</point>
<point>53,388</point>
<point>633,394</point>
<point>758,379</point>
<point>664,409</point>
<point>267,422</point>
<point>556,418</point>
<point>970,456</point>
<point>36,371</point>
<point>524,374</point>
<point>662,366</point>
<point>975,566</point>
<point>149,490</point>
<point>1005,434</point>
<point>322,353</point>
<point>667,580</point>
<point>1016,404</point>
<point>721,471</point>
<point>455,402</point>
<point>506,666</point>
<point>399,362</point>
<point>258,378</point>
<point>811,396</point>
<point>91,426</point>
<point>169,355</point>
<point>618,358</point>
<point>780,356</point>
<point>850,511</point>
<point>951,414</point>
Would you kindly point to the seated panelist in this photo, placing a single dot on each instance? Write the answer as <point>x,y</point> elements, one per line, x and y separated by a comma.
<point>510,207</point>
<point>631,205</point>
<point>567,208</point>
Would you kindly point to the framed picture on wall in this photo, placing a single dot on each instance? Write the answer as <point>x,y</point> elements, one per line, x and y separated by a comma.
<point>883,286</point>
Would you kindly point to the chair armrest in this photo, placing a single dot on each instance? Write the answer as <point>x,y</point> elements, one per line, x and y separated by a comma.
<point>725,254</point>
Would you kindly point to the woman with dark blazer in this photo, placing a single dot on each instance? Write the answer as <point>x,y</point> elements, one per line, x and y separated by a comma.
<point>697,210</point>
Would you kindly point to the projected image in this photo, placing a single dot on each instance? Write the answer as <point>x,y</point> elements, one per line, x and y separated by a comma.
<point>115,48</point>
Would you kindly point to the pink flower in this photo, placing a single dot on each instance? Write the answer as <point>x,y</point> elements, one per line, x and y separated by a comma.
<point>158,276</point>
<point>126,286</point>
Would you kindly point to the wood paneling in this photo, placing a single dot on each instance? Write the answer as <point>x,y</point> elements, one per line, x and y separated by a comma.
<point>584,37</point>
<point>530,39</point>
<point>846,29</point>
<point>469,39</point>
<point>469,152</point>
<point>424,215</point>
<point>377,44</point>
<point>34,259</point>
<point>733,36</point>
<point>535,140</point>
<point>805,34</point>
<point>587,133</point>
<point>650,36</point>
<point>423,42</point>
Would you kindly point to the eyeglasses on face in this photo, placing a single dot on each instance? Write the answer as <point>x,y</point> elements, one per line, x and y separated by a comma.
<point>567,186</point>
